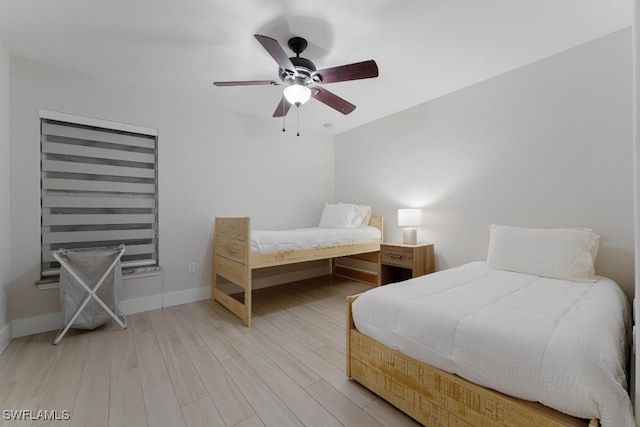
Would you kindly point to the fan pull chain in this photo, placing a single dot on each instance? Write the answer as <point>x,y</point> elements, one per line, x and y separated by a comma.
<point>297,120</point>
<point>284,116</point>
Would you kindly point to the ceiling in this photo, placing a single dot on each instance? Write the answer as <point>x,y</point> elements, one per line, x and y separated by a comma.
<point>424,48</point>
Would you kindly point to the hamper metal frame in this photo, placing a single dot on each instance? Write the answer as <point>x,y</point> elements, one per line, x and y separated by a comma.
<point>91,292</point>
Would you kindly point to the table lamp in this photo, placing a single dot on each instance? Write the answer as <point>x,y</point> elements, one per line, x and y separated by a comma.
<point>409,219</point>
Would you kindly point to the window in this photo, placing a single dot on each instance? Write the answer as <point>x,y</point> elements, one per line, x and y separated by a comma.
<point>99,187</point>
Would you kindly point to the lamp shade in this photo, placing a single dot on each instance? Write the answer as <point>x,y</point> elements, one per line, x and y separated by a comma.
<point>409,217</point>
<point>297,94</point>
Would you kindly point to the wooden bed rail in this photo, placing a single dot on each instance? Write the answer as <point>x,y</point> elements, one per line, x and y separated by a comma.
<point>435,397</point>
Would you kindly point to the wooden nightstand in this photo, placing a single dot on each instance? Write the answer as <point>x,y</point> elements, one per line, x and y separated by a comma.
<point>402,262</point>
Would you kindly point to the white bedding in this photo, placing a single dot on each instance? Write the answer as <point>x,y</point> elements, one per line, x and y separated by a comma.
<point>267,241</point>
<point>557,342</point>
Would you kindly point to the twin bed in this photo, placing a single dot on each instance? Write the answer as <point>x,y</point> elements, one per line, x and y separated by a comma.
<point>477,345</point>
<point>344,230</point>
<point>532,337</point>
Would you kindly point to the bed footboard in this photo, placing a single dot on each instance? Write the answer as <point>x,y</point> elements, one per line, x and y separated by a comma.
<point>232,261</point>
<point>435,397</point>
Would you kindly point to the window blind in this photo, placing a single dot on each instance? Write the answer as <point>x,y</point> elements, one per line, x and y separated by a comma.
<point>98,188</point>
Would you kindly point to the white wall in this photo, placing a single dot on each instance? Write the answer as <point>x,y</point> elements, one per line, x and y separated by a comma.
<point>5,225</point>
<point>211,163</point>
<point>546,145</point>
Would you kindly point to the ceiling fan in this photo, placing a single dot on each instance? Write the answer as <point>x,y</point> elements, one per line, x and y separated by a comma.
<point>303,80</point>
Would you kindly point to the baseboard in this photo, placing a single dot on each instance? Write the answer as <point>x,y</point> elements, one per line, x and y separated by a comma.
<point>53,321</point>
<point>5,336</point>
<point>36,324</point>
<point>138,305</point>
<point>186,296</point>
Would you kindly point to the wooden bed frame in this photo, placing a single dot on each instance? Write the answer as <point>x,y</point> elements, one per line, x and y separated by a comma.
<point>436,398</point>
<point>233,260</point>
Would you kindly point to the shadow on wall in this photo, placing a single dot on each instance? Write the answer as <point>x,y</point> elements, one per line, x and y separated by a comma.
<point>613,263</point>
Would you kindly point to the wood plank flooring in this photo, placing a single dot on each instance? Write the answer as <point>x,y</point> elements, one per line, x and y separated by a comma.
<point>197,365</point>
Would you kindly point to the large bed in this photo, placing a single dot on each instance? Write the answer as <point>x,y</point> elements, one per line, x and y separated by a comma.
<point>344,230</point>
<point>487,344</point>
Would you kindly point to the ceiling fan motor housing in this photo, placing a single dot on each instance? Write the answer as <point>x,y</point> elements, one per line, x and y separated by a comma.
<point>305,68</point>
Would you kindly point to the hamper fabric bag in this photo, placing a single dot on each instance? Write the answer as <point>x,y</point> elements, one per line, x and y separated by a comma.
<point>90,286</point>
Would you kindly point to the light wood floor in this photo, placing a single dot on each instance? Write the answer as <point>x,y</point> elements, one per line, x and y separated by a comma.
<point>196,365</point>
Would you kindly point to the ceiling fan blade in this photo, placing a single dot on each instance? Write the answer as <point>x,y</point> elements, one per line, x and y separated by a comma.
<point>332,100</point>
<point>275,50</point>
<point>357,71</point>
<point>247,83</point>
<point>283,108</point>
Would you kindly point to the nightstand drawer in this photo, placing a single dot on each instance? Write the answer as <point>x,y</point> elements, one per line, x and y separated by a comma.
<point>400,262</point>
<point>401,257</point>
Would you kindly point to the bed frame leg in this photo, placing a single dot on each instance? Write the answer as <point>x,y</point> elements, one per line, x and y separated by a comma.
<point>247,305</point>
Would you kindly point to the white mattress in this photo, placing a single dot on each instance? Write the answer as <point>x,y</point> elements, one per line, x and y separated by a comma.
<point>263,241</point>
<point>557,342</point>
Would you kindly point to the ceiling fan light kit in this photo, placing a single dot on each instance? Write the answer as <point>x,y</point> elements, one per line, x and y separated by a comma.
<point>303,80</point>
<point>297,93</point>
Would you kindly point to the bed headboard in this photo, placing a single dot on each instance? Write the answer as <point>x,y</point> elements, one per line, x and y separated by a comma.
<point>376,221</point>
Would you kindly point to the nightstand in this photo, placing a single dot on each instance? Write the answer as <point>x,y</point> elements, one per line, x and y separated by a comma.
<point>402,262</point>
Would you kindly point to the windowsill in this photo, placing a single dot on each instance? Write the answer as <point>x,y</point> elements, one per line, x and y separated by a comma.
<point>46,284</point>
<point>136,274</point>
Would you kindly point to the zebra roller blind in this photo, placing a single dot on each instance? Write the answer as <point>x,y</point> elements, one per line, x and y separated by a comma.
<point>98,188</point>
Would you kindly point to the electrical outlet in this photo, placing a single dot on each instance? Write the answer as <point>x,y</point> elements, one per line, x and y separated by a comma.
<point>191,268</point>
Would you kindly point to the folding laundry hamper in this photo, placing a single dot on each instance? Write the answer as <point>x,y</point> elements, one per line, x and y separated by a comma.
<point>90,285</point>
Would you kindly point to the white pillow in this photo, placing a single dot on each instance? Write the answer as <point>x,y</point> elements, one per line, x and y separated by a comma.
<point>560,253</point>
<point>339,215</point>
<point>363,214</point>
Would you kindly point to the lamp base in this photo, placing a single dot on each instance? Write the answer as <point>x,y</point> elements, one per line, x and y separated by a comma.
<point>410,236</point>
